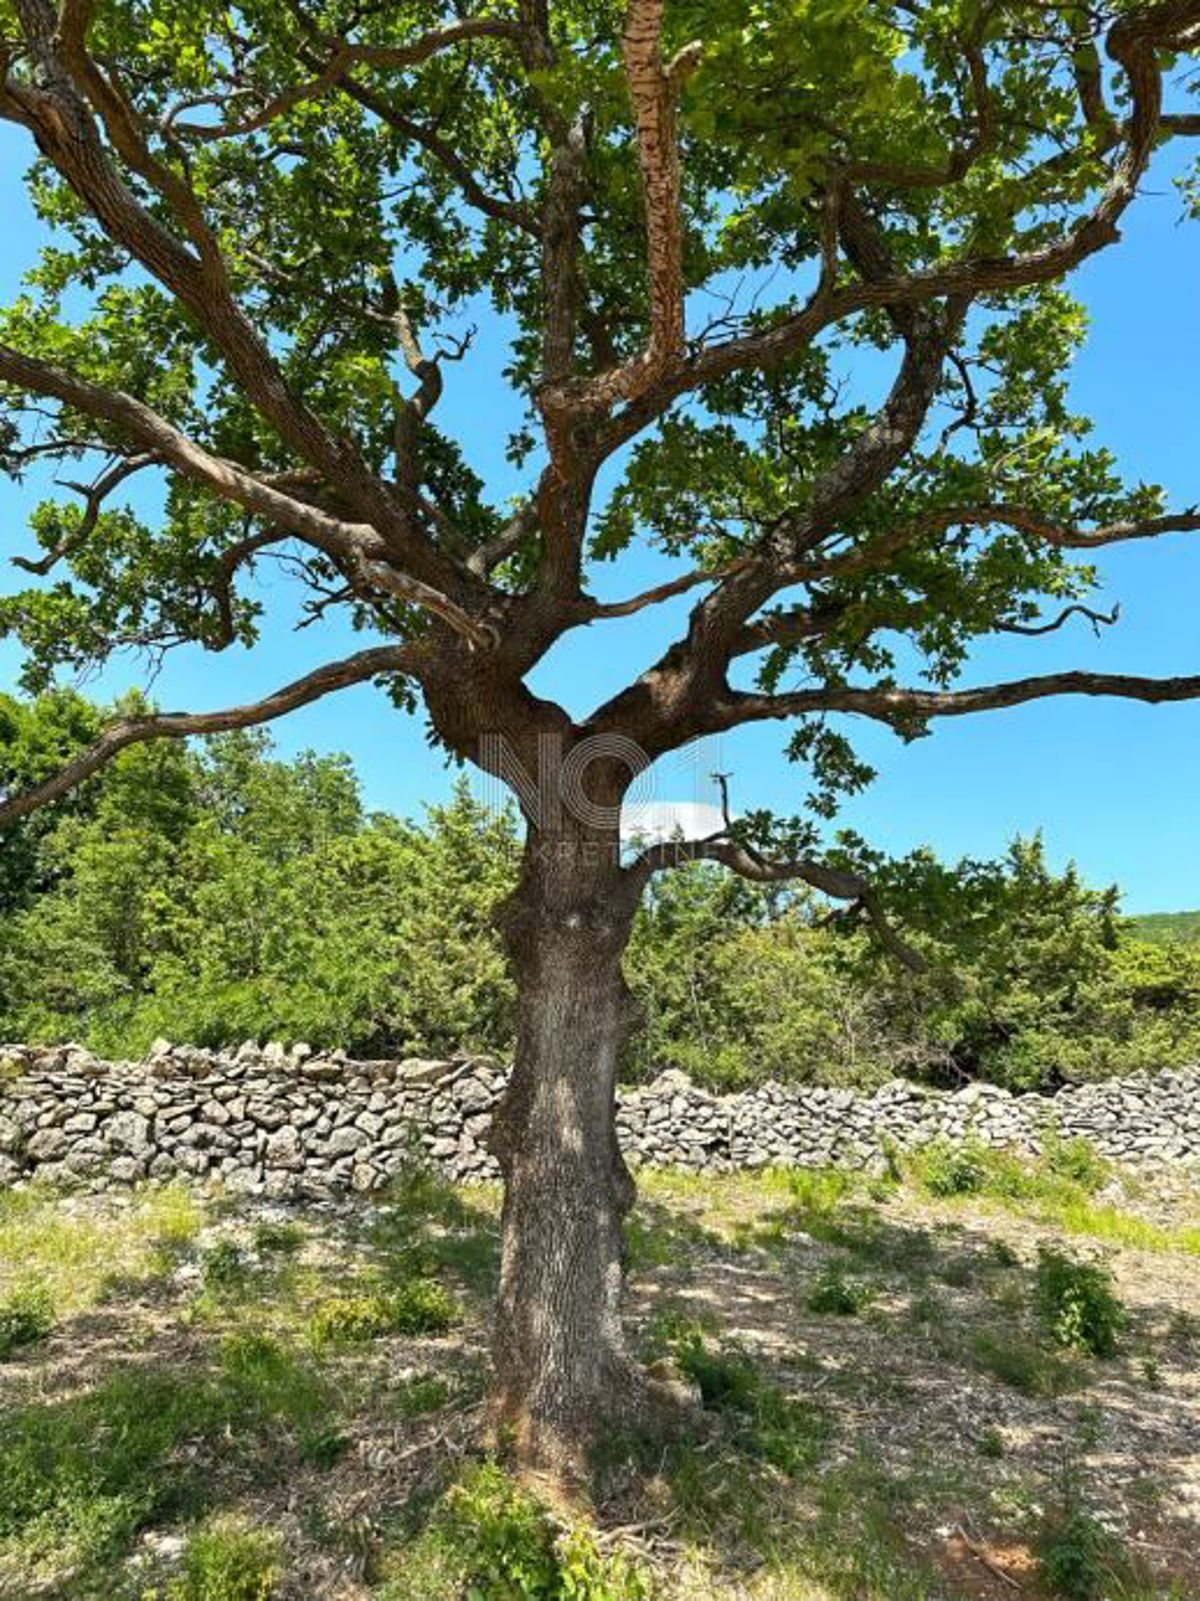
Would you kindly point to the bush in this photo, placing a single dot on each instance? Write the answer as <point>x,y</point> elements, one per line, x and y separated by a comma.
<point>228,1560</point>
<point>1079,1557</point>
<point>423,1306</point>
<point>224,1267</point>
<point>1077,1305</point>
<point>947,1169</point>
<point>835,1294</point>
<point>1077,1160</point>
<point>26,1317</point>
<point>492,1539</point>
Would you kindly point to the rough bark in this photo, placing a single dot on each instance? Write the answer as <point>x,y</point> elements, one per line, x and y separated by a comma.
<point>561,1365</point>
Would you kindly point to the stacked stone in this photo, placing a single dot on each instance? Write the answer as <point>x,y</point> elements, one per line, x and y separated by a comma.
<point>295,1123</point>
<point>261,1121</point>
<point>1143,1118</point>
<point>674,1123</point>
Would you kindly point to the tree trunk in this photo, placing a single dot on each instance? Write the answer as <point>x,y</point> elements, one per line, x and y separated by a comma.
<point>561,1365</point>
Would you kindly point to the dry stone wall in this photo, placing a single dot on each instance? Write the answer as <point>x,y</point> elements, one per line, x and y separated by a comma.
<point>265,1120</point>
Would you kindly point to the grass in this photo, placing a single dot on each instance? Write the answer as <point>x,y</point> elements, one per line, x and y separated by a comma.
<point>1059,1189</point>
<point>420,1306</point>
<point>81,1476</point>
<point>78,1257</point>
<point>833,1293</point>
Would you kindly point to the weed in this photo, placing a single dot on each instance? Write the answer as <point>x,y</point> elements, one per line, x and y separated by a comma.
<point>423,1306</point>
<point>261,1379</point>
<point>420,1306</point>
<point>990,1444</point>
<point>788,1434</point>
<point>490,1539</point>
<point>835,1294</point>
<point>1077,1305</point>
<point>423,1393</point>
<point>1077,1555</point>
<point>947,1169</point>
<point>821,1189</point>
<point>228,1560</point>
<point>224,1267</point>
<point>26,1317</point>
<point>1075,1159</point>
<point>1021,1363</point>
<point>321,1445</point>
<point>278,1239</point>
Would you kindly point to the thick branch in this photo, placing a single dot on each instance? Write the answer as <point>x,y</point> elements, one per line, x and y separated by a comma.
<point>748,863</point>
<point>654,89</point>
<point>128,731</point>
<point>153,434</point>
<point>910,708</point>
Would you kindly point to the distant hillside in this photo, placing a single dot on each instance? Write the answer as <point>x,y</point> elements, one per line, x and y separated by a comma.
<point>1166,928</point>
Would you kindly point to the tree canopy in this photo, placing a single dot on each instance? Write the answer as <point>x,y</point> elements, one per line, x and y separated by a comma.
<point>272,232</point>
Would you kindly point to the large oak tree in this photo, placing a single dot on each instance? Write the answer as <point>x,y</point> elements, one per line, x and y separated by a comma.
<point>696,227</point>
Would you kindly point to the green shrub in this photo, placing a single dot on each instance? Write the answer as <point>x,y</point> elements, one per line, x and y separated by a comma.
<point>1077,1305</point>
<point>837,1295</point>
<point>26,1317</point>
<point>492,1541</point>
<point>1080,1559</point>
<point>948,1169</point>
<point>349,1319</point>
<point>421,1306</point>
<point>228,1560</point>
<point>1075,1159</point>
<point>223,1266</point>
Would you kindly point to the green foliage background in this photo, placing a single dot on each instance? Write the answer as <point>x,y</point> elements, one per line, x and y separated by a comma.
<point>218,893</point>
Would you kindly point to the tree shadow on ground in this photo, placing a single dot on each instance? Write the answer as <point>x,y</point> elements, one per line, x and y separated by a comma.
<point>884,1417</point>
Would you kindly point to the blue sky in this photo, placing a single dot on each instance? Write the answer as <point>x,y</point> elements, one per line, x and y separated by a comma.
<point>1114,786</point>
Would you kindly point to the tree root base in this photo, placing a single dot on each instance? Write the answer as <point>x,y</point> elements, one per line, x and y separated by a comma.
<point>556,1458</point>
